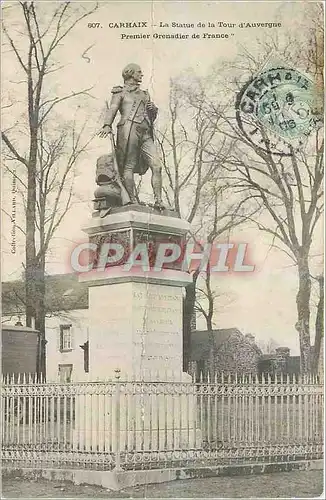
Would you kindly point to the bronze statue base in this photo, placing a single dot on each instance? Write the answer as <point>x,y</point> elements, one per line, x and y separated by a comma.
<point>134,207</point>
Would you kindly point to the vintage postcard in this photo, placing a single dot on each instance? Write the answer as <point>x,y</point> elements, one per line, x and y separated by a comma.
<point>162,249</point>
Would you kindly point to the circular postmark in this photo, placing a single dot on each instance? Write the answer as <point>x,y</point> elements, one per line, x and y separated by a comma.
<point>275,110</point>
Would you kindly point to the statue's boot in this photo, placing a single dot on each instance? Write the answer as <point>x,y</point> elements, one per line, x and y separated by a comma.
<point>158,204</point>
<point>130,187</point>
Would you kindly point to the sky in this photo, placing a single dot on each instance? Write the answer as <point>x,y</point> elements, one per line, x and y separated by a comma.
<point>263,303</point>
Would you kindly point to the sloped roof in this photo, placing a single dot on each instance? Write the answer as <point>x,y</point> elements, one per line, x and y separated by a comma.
<point>200,343</point>
<point>63,292</point>
<point>20,329</point>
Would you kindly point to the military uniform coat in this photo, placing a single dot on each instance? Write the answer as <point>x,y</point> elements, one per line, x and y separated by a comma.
<point>131,103</point>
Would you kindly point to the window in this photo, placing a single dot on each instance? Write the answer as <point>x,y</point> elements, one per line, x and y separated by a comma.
<point>65,372</point>
<point>65,338</point>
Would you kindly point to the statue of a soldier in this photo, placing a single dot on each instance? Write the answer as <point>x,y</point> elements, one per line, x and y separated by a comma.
<point>136,150</point>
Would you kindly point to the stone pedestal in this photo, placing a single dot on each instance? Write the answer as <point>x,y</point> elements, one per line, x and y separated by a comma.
<point>135,326</point>
<point>140,333</point>
<point>135,316</point>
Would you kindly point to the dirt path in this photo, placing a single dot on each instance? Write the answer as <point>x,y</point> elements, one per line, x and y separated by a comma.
<point>279,485</point>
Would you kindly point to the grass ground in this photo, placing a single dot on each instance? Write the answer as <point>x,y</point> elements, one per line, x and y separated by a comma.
<point>300,484</point>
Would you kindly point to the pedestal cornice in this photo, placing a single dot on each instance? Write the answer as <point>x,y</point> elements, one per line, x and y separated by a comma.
<point>137,220</point>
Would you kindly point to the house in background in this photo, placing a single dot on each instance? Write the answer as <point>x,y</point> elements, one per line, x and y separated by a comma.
<point>67,341</point>
<point>19,346</point>
<point>66,324</point>
<point>279,362</point>
<point>223,350</point>
<point>67,337</point>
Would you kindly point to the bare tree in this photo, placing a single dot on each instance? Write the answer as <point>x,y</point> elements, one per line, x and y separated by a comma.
<point>269,346</point>
<point>193,153</point>
<point>292,197</point>
<point>319,324</point>
<point>220,216</point>
<point>187,170</point>
<point>283,195</point>
<point>185,143</point>
<point>288,190</point>
<point>40,152</point>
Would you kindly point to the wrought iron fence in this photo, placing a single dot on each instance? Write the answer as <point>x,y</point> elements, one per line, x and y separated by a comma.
<point>139,424</point>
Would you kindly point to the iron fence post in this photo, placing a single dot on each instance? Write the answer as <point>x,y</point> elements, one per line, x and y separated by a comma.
<point>117,421</point>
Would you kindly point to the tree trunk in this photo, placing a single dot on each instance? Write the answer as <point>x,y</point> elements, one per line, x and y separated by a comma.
<point>303,310</point>
<point>210,299</point>
<point>209,323</point>
<point>30,235</point>
<point>188,312</point>
<point>40,316</point>
<point>212,365</point>
<point>319,325</point>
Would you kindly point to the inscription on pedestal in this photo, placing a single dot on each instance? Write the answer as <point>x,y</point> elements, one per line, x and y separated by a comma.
<point>157,320</point>
<point>136,327</point>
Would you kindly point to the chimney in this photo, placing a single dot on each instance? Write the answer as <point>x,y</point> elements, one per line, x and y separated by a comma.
<point>19,323</point>
<point>282,356</point>
<point>282,352</point>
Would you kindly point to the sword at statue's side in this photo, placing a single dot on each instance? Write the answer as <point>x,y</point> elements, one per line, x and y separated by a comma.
<point>125,198</point>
